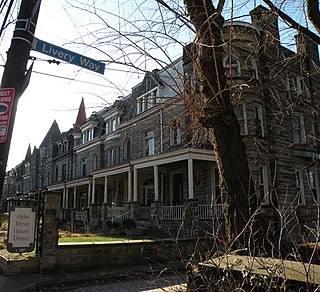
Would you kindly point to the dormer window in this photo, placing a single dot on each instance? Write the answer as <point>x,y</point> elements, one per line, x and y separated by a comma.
<point>112,124</point>
<point>88,131</point>
<point>231,65</point>
<point>146,101</point>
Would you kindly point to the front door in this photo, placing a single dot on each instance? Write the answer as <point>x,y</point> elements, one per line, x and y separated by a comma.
<point>177,182</point>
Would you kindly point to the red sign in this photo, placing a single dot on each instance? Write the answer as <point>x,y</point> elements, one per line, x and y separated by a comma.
<point>6,101</point>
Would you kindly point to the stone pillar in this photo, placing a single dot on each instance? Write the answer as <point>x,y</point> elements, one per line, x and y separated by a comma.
<point>49,251</point>
<point>191,221</point>
<point>129,185</point>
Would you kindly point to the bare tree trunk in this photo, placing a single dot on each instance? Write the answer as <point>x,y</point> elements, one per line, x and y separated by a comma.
<point>219,118</point>
<point>314,13</point>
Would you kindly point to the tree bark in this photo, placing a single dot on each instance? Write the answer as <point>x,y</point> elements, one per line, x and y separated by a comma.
<point>313,13</point>
<point>237,193</point>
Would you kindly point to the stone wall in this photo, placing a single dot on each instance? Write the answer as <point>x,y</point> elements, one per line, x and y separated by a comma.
<point>84,256</point>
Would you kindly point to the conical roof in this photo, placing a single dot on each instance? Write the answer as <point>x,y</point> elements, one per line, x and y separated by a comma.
<point>81,118</point>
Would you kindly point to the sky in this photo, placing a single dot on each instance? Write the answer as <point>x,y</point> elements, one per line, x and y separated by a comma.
<point>50,98</point>
<point>55,91</point>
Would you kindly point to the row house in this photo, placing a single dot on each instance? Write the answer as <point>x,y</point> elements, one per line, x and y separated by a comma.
<point>145,157</point>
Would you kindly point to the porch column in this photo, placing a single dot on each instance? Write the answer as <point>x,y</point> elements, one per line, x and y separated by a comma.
<point>156,183</point>
<point>129,185</point>
<point>67,199</point>
<point>89,194</point>
<point>64,198</point>
<point>93,195</point>
<point>135,185</point>
<point>190,178</point>
<point>105,197</point>
<point>75,198</point>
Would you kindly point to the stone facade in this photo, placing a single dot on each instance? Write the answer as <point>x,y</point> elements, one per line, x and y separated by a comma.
<point>145,151</point>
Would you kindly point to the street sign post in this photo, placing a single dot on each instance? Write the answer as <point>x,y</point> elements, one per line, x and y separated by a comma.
<point>6,101</point>
<point>68,56</point>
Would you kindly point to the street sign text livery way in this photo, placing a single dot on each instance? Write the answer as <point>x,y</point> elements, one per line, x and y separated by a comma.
<point>68,56</point>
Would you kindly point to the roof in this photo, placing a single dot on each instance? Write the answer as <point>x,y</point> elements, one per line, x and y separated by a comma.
<point>81,118</point>
<point>52,135</point>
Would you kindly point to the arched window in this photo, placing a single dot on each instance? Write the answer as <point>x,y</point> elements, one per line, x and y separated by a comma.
<point>126,149</point>
<point>252,68</point>
<point>95,162</point>
<point>231,65</point>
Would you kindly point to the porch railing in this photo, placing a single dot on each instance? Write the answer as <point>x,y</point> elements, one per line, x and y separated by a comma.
<point>119,219</point>
<point>207,211</point>
<point>172,212</point>
<point>114,212</point>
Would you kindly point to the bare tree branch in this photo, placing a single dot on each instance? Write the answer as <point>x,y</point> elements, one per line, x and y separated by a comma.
<point>293,23</point>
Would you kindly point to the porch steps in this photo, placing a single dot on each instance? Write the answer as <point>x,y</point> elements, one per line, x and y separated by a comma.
<point>143,226</point>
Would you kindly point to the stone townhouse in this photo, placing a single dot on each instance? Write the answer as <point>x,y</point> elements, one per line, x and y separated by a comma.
<point>145,158</point>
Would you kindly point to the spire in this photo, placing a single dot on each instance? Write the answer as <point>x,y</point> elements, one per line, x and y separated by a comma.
<point>28,154</point>
<point>81,118</point>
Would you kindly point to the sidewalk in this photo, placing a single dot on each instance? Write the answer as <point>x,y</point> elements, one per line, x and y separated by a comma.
<point>72,280</point>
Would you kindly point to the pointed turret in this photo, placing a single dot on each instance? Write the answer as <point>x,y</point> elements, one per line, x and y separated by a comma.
<point>81,118</point>
<point>28,154</point>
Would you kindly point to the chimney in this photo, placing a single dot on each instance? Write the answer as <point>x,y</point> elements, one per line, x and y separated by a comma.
<point>307,47</point>
<point>267,22</point>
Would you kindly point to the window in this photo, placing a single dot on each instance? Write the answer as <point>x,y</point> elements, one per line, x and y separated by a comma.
<point>263,184</point>
<point>110,157</point>
<point>314,184</point>
<point>57,174</point>
<point>146,101</point>
<point>87,135</point>
<point>300,187</point>
<point>111,124</point>
<point>252,68</point>
<point>299,134</point>
<point>258,124</point>
<point>84,167</point>
<point>95,162</point>
<point>296,84</point>
<point>64,172</point>
<point>126,149</point>
<point>175,133</point>
<point>232,67</point>
<point>149,143</point>
<point>240,112</point>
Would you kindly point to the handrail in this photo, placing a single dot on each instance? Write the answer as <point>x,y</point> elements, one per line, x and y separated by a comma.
<point>122,217</point>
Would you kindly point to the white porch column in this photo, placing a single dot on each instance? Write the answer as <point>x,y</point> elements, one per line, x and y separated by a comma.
<point>129,185</point>
<point>156,183</point>
<point>105,197</point>
<point>75,198</point>
<point>89,194</point>
<point>190,178</point>
<point>93,194</point>
<point>135,185</point>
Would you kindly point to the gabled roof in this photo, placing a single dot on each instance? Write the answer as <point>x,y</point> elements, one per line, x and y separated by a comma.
<point>150,81</point>
<point>52,135</point>
<point>81,118</point>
